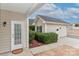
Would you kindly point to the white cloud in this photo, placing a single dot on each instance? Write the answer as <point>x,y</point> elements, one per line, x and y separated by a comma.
<point>71,12</point>
<point>44,10</point>
<point>54,11</point>
<point>57,13</point>
<point>74,16</point>
<point>47,7</point>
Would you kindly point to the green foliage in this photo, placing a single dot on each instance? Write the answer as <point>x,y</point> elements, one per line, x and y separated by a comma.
<point>46,37</point>
<point>31,36</point>
<point>32,28</point>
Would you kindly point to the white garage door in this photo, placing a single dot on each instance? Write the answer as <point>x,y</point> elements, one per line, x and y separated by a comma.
<point>51,28</point>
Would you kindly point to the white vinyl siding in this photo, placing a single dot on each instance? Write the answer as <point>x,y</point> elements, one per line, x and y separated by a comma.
<point>52,28</point>
<point>5,38</point>
<point>39,25</point>
<point>5,32</point>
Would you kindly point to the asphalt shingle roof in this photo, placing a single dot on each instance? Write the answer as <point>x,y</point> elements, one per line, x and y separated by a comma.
<point>47,18</point>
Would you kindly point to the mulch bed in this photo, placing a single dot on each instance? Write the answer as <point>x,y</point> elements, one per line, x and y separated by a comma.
<point>35,43</point>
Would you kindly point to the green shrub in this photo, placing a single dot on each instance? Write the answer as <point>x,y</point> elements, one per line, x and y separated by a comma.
<point>31,36</point>
<point>32,28</point>
<point>46,37</point>
<point>39,36</point>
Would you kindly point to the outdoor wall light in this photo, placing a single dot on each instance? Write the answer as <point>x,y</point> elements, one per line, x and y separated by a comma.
<point>4,23</point>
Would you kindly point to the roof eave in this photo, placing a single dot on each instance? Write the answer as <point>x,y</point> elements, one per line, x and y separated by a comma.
<point>58,23</point>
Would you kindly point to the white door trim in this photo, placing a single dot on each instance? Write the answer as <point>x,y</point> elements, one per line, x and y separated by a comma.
<point>12,35</point>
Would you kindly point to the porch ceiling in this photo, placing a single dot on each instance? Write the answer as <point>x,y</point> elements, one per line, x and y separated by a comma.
<point>26,8</point>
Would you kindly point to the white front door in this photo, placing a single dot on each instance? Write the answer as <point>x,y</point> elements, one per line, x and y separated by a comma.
<point>16,35</point>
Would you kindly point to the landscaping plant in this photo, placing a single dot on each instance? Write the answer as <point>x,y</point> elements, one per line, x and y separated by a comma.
<point>46,38</point>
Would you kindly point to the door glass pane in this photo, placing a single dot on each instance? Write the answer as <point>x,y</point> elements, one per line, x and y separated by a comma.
<point>17,34</point>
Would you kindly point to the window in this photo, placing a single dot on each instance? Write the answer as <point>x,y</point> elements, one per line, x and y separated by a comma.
<point>17,30</point>
<point>39,28</point>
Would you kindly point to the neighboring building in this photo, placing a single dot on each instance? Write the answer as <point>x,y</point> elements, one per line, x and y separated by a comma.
<point>49,24</point>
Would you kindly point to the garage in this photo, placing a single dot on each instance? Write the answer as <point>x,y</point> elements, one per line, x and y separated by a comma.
<point>60,30</point>
<point>50,24</point>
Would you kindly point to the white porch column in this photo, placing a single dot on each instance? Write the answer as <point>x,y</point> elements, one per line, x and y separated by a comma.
<point>45,28</point>
<point>35,28</point>
<point>27,34</point>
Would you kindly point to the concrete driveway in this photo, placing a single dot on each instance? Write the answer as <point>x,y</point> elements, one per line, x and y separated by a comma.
<point>74,32</point>
<point>74,42</point>
<point>64,50</point>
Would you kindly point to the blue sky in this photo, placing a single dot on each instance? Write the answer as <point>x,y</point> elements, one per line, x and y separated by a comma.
<point>67,5</point>
<point>68,12</point>
<point>64,6</point>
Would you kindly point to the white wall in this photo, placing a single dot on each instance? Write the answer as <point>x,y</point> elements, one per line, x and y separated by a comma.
<point>5,32</point>
<point>62,31</point>
<point>51,28</point>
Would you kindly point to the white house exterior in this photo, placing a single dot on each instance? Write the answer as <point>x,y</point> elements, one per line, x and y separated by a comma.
<point>49,24</point>
<point>14,26</point>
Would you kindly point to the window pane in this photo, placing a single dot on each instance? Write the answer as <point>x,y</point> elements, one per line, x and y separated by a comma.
<point>17,34</point>
<point>39,28</point>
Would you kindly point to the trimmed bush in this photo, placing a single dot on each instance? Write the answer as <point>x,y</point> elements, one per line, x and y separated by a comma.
<point>46,38</point>
<point>32,28</point>
<point>31,36</point>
